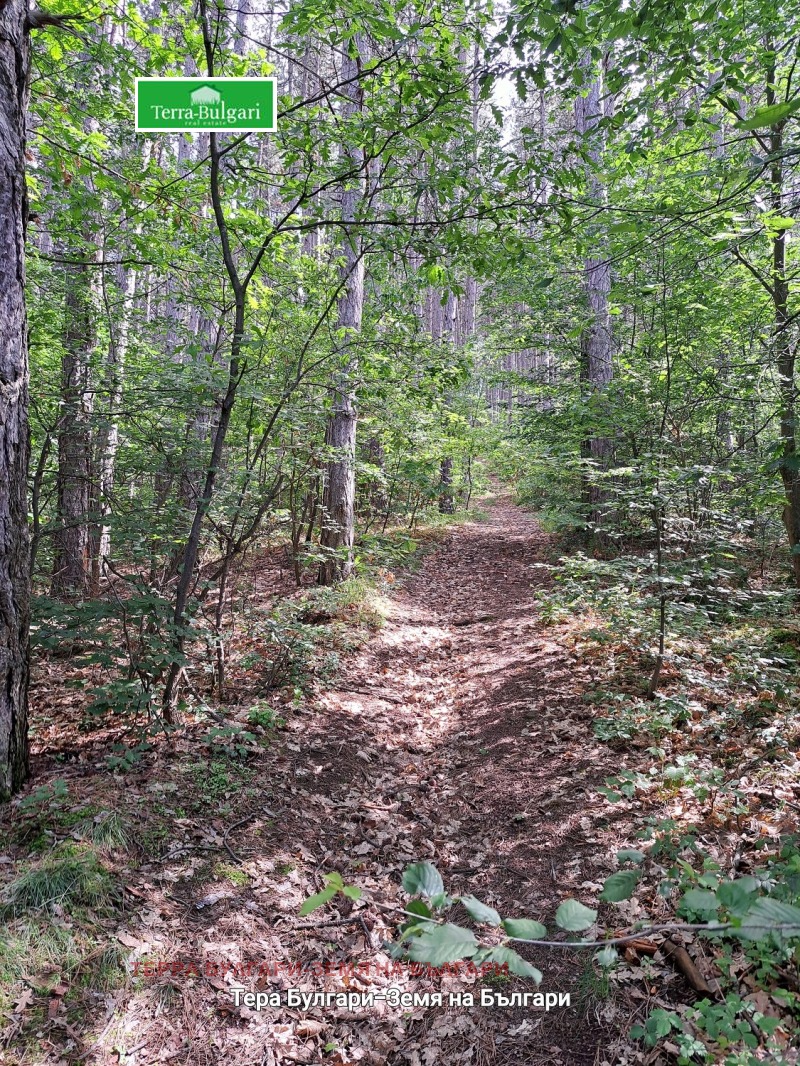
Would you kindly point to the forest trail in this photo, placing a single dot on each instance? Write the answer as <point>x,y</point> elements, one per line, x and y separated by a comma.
<point>457,735</point>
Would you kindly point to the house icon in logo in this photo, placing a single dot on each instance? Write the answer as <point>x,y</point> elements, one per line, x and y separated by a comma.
<point>205,95</point>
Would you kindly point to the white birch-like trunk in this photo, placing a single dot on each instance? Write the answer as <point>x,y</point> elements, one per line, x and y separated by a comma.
<point>596,351</point>
<point>340,485</point>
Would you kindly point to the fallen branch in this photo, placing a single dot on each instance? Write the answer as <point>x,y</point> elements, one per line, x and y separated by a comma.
<point>682,961</point>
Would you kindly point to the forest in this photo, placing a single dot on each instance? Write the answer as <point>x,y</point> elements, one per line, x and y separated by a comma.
<point>400,533</point>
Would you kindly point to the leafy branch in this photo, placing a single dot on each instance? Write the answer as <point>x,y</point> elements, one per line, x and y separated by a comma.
<point>429,937</point>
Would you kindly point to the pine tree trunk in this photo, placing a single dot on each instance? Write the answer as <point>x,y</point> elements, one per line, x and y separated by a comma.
<point>71,560</point>
<point>14,544</point>
<point>595,344</point>
<point>338,526</point>
<point>785,358</point>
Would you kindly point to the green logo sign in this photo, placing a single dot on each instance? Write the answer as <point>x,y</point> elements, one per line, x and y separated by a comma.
<point>178,105</point>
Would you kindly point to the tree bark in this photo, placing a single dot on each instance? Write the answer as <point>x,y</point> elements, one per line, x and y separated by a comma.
<point>14,438</point>
<point>340,435</point>
<point>595,343</point>
<point>447,504</point>
<point>108,430</point>
<point>126,282</point>
<point>71,559</point>
<point>784,357</point>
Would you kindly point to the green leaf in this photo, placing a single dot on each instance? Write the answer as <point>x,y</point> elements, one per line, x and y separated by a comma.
<point>318,900</point>
<point>422,879</point>
<point>574,917</point>
<point>554,45</point>
<point>479,912</point>
<point>619,886</point>
<point>778,222</point>
<point>630,855</point>
<point>525,928</point>
<point>516,964</point>
<point>769,116</point>
<point>439,944</point>
<point>699,901</point>
<point>416,906</point>
<point>611,794</point>
<point>766,915</point>
<point>607,957</point>
<point>333,879</point>
<point>737,895</point>
<point>352,891</point>
<point>658,1025</point>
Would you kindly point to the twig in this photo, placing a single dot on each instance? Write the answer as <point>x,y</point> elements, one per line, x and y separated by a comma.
<point>791,928</point>
<point>321,925</point>
<point>372,692</point>
<point>367,934</point>
<point>203,703</point>
<point>231,828</point>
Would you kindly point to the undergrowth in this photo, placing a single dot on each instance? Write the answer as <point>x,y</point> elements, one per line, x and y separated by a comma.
<point>709,768</point>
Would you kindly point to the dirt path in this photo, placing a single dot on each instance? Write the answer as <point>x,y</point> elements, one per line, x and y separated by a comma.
<point>456,736</point>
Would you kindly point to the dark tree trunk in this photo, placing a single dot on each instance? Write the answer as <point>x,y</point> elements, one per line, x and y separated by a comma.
<point>14,542</point>
<point>340,487</point>
<point>785,360</point>
<point>71,559</point>
<point>447,504</point>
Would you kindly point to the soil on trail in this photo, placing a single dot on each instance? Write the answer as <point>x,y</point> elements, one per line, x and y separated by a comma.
<point>456,734</point>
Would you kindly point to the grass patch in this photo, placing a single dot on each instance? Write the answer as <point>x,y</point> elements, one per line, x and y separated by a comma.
<point>226,872</point>
<point>355,601</point>
<point>104,968</point>
<point>30,947</point>
<point>217,779</point>
<point>105,830</point>
<point>69,876</point>
<point>594,984</point>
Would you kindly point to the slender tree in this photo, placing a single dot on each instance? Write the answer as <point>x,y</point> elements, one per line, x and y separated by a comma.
<point>596,359</point>
<point>340,435</point>
<point>71,560</point>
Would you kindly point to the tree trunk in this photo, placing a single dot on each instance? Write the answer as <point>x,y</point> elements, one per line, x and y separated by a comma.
<point>377,458</point>
<point>71,559</point>
<point>595,343</point>
<point>108,431</point>
<point>340,435</point>
<point>447,504</point>
<point>14,545</point>
<point>784,355</point>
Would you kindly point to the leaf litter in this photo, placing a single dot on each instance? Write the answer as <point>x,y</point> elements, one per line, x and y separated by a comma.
<point>457,734</point>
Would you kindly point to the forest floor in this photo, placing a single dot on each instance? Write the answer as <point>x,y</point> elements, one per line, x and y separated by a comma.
<point>456,734</point>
